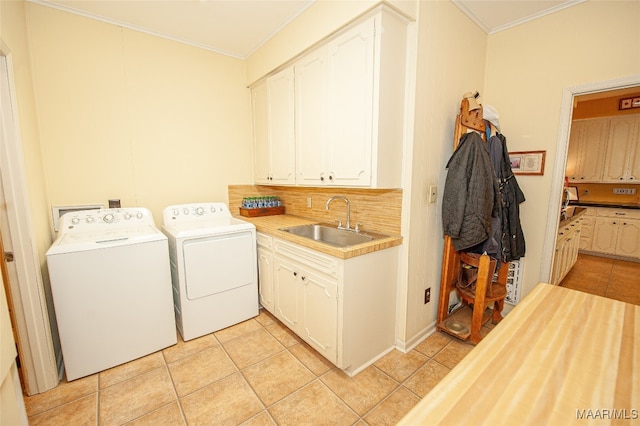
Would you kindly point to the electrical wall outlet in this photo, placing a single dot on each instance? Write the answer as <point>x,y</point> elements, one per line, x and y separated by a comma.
<point>427,295</point>
<point>629,191</point>
<point>309,202</point>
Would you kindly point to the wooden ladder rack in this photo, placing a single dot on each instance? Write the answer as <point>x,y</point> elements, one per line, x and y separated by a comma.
<point>473,320</point>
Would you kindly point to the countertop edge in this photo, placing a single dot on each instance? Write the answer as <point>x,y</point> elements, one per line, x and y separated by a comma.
<point>610,206</point>
<point>565,222</point>
<point>271,225</point>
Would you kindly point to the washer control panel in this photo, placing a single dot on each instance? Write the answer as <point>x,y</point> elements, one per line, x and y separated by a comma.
<point>85,220</point>
<point>195,211</point>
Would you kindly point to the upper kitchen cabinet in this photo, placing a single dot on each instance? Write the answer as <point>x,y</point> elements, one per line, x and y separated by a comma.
<point>338,109</point>
<point>350,106</point>
<point>587,146</point>
<point>273,131</point>
<point>312,118</point>
<point>622,162</point>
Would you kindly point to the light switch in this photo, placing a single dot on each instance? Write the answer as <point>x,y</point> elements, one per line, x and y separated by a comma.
<point>433,192</point>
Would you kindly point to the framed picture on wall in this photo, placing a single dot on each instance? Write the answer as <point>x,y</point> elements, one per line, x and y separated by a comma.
<point>527,162</point>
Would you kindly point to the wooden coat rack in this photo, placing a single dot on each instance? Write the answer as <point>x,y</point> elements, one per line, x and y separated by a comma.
<point>465,323</point>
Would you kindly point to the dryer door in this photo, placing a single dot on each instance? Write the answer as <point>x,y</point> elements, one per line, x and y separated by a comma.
<point>219,263</point>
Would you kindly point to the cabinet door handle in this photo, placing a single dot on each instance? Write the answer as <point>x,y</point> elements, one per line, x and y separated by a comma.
<point>303,278</point>
<point>295,274</point>
<point>321,178</point>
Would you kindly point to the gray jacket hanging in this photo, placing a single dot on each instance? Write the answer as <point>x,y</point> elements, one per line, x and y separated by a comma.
<point>471,195</point>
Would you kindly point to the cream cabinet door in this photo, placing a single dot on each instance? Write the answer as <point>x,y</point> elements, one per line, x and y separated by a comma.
<point>628,242</point>
<point>605,235</point>
<point>633,173</point>
<point>287,308</point>
<point>280,101</point>
<point>312,114</point>
<point>621,149</point>
<point>586,232</point>
<point>587,145</point>
<point>262,150</point>
<point>320,314</point>
<point>351,105</point>
<point>558,260</point>
<point>273,130</point>
<point>265,278</point>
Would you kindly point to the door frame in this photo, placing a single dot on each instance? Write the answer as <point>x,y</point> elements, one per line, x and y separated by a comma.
<point>562,146</point>
<point>41,370</point>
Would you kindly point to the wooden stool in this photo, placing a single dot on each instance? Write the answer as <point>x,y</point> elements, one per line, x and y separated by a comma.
<point>480,290</point>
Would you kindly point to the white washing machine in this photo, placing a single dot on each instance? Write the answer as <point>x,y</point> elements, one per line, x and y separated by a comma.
<point>213,267</point>
<point>111,286</point>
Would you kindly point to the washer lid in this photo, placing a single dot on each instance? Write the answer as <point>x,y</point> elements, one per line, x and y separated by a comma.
<point>74,242</point>
<point>209,227</point>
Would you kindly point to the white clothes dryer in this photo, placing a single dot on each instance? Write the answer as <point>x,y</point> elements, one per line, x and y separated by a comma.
<point>111,286</point>
<point>213,267</point>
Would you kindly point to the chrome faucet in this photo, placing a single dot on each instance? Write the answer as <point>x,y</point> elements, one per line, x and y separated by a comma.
<point>346,200</point>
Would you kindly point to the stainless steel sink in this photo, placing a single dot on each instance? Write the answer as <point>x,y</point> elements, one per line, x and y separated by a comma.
<point>331,235</point>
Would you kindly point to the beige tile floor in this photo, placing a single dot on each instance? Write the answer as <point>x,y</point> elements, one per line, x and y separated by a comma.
<point>612,278</point>
<point>254,373</point>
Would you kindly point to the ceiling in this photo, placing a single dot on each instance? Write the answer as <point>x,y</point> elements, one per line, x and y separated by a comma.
<point>238,27</point>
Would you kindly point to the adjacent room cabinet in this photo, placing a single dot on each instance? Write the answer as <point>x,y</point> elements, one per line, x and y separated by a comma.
<point>615,232</point>
<point>274,140</point>
<point>587,147</point>
<point>566,254</point>
<point>618,235</point>
<point>622,162</point>
<point>587,225</point>
<point>605,149</point>
<point>343,308</point>
<point>348,107</point>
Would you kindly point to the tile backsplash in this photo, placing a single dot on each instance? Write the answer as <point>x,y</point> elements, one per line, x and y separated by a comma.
<point>375,209</point>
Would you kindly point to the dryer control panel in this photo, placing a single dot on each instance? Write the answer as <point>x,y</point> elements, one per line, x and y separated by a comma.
<point>86,220</point>
<point>195,212</point>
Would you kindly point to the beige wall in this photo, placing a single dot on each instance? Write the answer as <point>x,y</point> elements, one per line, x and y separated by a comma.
<point>136,117</point>
<point>526,71</point>
<point>13,38</point>
<point>450,62</point>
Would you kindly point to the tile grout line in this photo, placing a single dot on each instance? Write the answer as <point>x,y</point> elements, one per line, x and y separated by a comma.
<point>175,391</point>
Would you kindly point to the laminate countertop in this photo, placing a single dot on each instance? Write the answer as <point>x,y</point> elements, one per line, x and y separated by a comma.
<point>271,225</point>
<point>561,357</point>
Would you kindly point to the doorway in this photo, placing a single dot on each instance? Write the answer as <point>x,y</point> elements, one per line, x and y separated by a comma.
<point>25,285</point>
<point>570,96</point>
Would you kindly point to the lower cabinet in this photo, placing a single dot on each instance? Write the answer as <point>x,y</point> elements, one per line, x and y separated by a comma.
<point>343,308</point>
<point>566,254</point>
<point>616,232</point>
<point>307,303</point>
<point>265,271</point>
<point>617,236</point>
<point>587,226</point>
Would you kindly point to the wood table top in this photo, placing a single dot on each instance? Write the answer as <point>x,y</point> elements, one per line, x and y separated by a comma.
<point>560,357</point>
